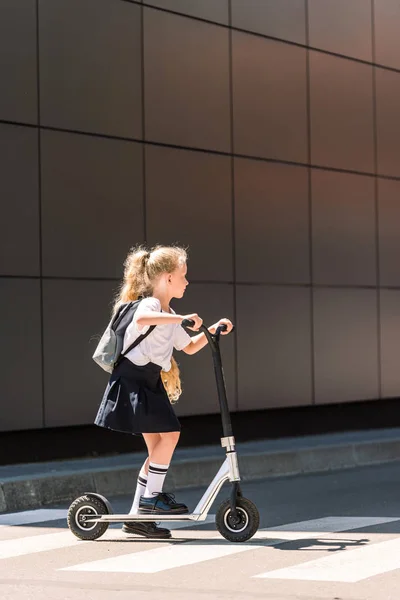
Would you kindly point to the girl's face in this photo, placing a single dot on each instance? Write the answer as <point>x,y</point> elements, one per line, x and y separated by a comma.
<point>177,281</point>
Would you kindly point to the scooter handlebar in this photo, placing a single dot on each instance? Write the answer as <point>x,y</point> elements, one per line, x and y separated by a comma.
<point>222,327</point>
<point>190,323</point>
<point>187,323</point>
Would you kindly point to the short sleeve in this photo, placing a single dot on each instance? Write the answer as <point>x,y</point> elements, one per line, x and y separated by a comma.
<point>146,305</point>
<point>181,338</point>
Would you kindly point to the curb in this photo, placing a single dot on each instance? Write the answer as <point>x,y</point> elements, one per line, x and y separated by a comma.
<point>33,486</point>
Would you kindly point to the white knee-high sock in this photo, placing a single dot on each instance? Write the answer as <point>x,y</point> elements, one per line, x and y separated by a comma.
<point>140,489</point>
<point>155,479</point>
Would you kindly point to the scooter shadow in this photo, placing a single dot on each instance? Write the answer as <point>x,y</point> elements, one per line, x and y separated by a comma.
<point>309,545</point>
<point>176,540</point>
<point>316,545</point>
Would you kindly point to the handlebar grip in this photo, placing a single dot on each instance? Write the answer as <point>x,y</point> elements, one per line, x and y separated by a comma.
<point>187,323</point>
<point>223,327</point>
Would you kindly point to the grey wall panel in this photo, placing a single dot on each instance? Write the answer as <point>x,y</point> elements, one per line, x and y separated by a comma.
<point>346,345</point>
<point>194,189</point>
<point>390,342</point>
<point>90,66</point>
<point>212,10</point>
<point>389,231</point>
<point>21,361</point>
<point>274,346</point>
<point>271,205</point>
<point>387,121</point>
<point>387,27</point>
<point>283,19</point>
<point>19,214</point>
<point>341,113</point>
<point>341,26</point>
<point>73,383</point>
<point>187,81</point>
<point>212,302</point>
<point>343,229</point>
<point>18,64</point>
<point>269,98</point>
<point>92,204</point>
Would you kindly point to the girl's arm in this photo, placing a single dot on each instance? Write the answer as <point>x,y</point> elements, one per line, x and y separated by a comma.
<point>199,341</point>
<point>158,318</point>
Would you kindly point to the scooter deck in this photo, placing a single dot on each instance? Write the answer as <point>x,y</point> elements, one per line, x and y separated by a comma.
<point>145,517</point>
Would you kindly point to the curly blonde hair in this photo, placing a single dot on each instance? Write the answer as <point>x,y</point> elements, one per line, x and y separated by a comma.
<point>141,269</point>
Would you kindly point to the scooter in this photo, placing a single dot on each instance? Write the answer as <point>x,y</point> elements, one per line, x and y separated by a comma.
<point>237,518</point>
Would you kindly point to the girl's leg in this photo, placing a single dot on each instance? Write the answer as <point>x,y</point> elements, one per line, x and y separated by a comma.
<point>161,446</point>
<point>148,528</point>
<point>151,441</point>
<point>160,455</point>
<point>141,484</point>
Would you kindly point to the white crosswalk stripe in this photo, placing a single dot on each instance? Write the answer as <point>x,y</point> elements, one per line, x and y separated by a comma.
<point>162,559</point>
<point>32,516</point>
<point>55,541</point>
<point>36,543</point>
<point>349,565</point>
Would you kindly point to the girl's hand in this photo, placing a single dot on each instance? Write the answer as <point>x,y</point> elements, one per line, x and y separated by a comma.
<point>198,322</point>
<point>226,322</point>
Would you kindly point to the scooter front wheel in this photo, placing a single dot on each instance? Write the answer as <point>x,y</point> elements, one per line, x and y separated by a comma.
<point>242,527</point>
<point>80,511</point>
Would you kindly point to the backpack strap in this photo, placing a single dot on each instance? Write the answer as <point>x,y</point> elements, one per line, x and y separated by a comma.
<point>135,343</point>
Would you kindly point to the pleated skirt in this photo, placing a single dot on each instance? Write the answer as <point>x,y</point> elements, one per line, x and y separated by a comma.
<point>135,401</point>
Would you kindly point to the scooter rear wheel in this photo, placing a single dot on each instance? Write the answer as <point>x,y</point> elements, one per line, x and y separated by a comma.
<point>244,526</point>
<point>78,513</point>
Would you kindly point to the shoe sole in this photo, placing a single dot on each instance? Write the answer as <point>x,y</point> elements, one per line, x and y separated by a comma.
<point>154,537</point>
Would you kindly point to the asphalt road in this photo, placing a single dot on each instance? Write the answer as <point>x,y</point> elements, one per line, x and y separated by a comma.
<point>332,536</point>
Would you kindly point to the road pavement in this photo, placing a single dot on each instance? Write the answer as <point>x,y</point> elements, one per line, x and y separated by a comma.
<point>322,536</point>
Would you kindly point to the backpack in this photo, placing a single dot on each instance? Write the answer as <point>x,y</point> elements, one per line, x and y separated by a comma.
<point>109,349</point>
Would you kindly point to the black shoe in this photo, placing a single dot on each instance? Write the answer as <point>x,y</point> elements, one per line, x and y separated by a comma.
<point>161,504</point>
<point>147,529</point>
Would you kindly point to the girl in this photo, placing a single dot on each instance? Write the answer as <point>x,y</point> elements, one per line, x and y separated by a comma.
<point>146,381</point>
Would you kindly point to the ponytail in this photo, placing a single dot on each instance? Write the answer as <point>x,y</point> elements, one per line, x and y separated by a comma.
<point>135,281</point>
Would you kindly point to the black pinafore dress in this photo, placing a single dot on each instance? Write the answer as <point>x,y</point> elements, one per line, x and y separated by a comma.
<point>135,401</point>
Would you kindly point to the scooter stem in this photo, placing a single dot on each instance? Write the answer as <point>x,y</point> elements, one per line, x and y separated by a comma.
<point>213,340</point>
<point>230,468</point>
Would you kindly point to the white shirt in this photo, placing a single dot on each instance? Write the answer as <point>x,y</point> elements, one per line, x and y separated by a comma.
<point>159,344</point>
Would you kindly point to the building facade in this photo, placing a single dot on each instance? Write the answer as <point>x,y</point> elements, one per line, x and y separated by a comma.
<point>262,134</point>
